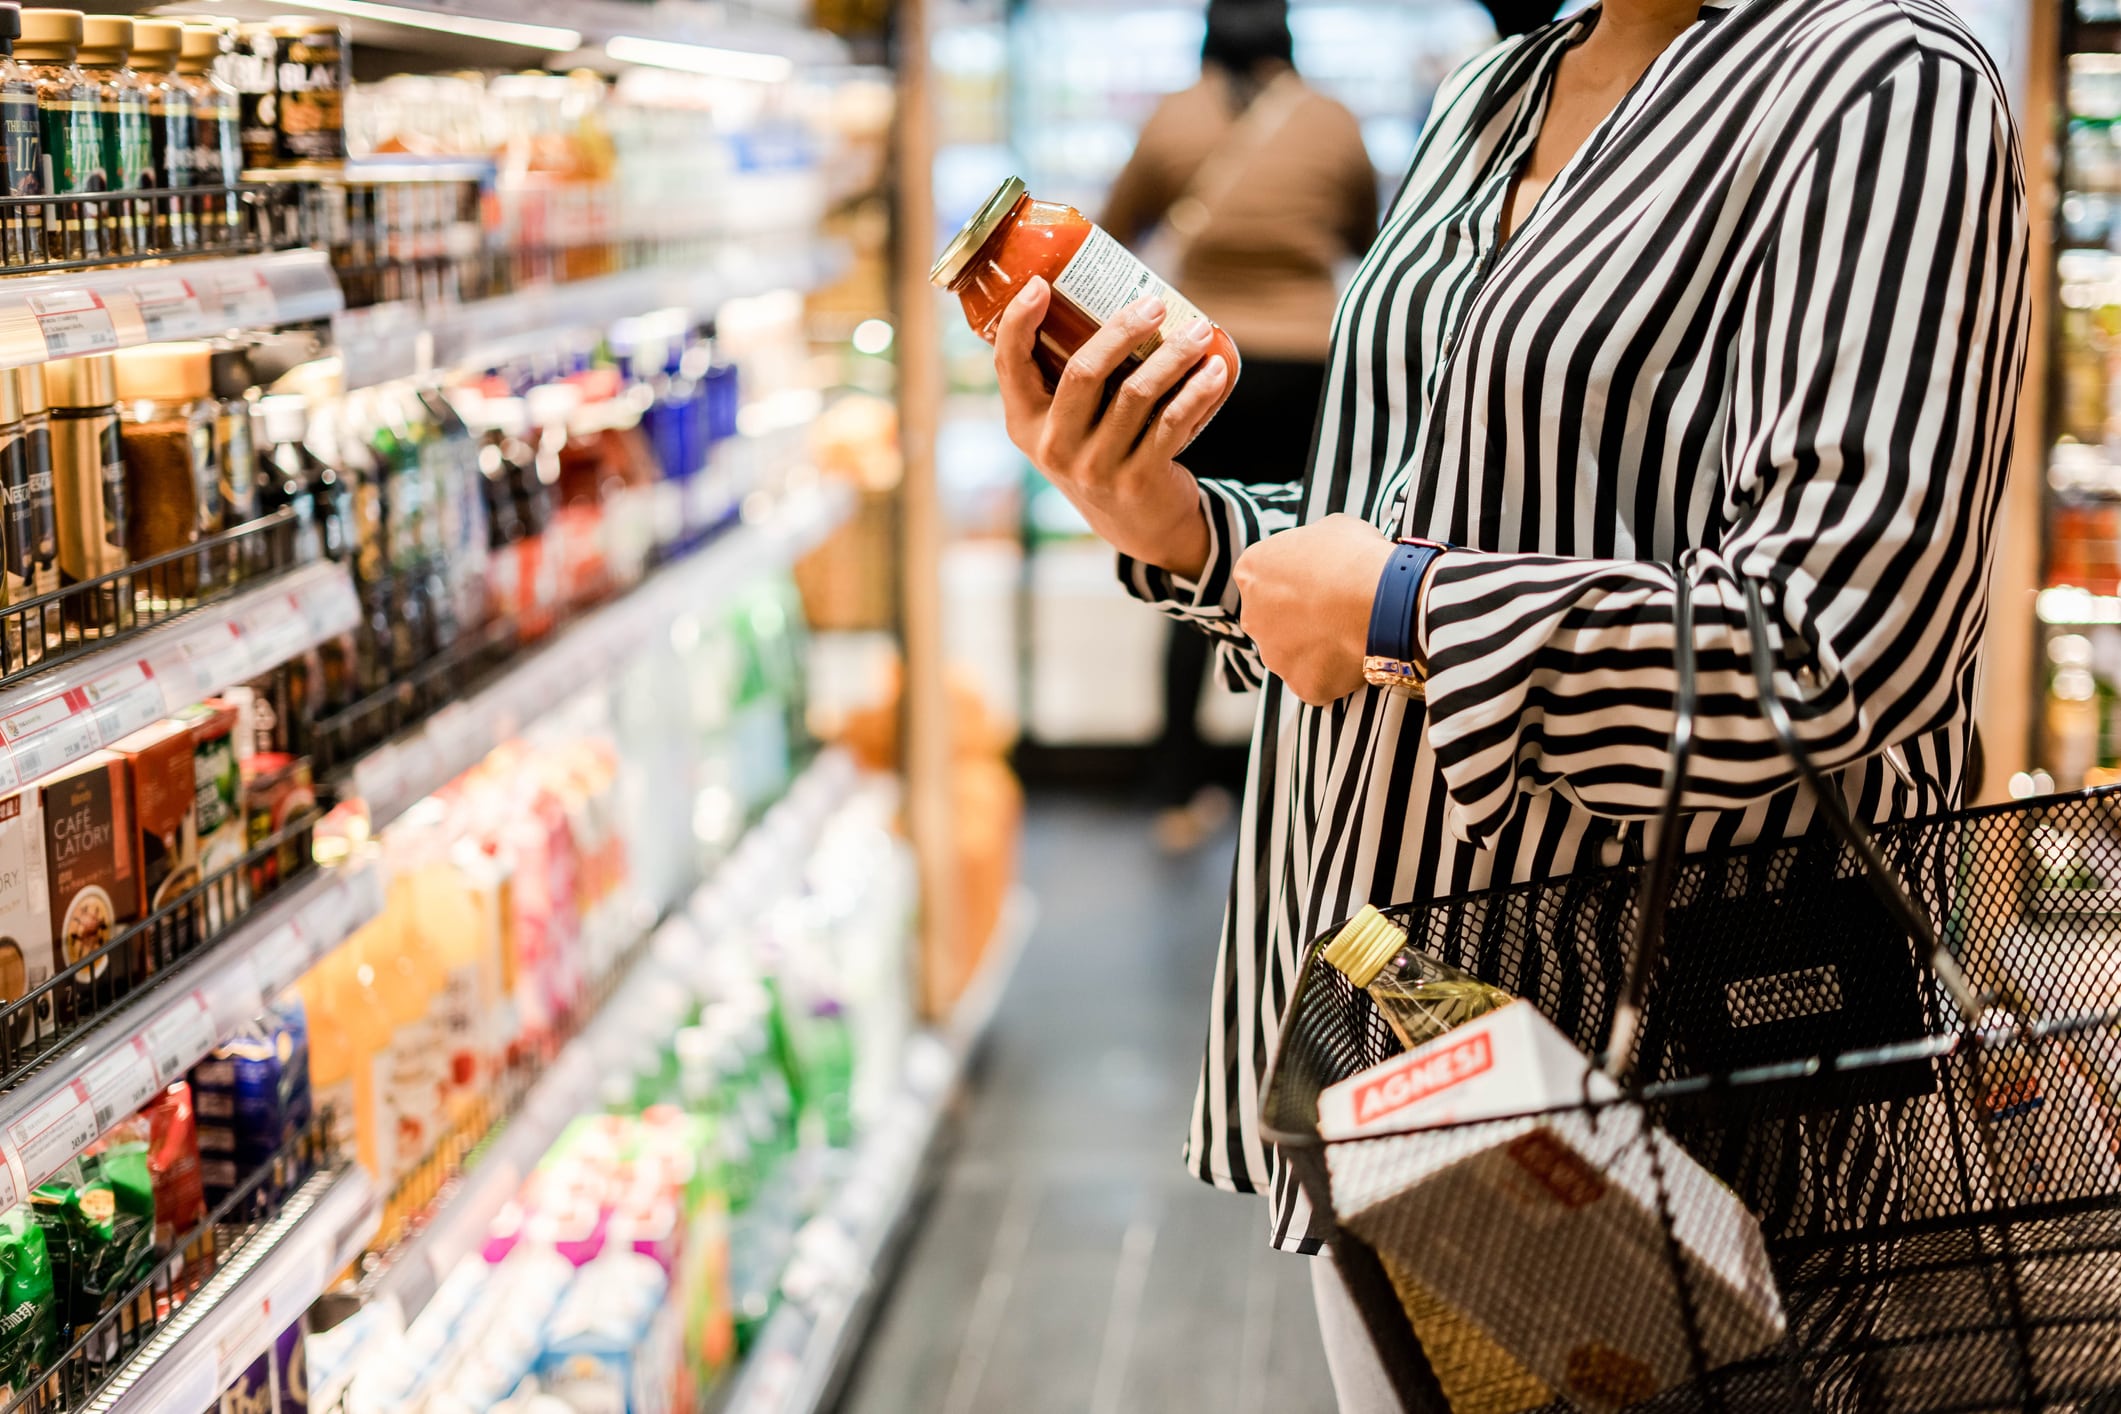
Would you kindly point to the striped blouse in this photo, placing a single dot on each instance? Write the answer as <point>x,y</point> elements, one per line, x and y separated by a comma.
<point>1771,316</point>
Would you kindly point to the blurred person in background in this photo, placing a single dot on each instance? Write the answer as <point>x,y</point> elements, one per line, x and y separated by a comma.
<point>1263,190</point>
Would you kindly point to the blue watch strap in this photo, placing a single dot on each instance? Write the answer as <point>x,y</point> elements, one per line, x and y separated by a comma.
<point>1398,592</point>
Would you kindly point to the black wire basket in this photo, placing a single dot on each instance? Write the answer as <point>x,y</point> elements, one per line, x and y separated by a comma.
<point>1935,1202</point>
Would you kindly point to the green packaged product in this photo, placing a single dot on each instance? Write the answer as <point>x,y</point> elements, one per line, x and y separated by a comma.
<point>98,1218</point>
<point>29,1312</point>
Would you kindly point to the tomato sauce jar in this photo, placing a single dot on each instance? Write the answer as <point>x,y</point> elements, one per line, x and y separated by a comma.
<point>1094,277</point>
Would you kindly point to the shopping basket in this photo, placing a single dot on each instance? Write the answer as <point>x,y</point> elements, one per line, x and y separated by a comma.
<point>1938,1188</point>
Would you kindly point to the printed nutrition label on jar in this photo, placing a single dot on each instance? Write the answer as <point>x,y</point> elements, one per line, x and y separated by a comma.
<point>1103,277</point>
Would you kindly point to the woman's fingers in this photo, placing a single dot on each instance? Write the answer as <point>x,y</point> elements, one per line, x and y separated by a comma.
<point>1189,411</point>
<point>1023,390</point>
<point>1135,403</point>
<point>1082,384</point>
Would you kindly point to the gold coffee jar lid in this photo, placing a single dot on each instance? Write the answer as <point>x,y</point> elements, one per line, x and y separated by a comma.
<point>202,45</point>
<point>1364,945</point>
<point>106,41</point>
<point>86,382</point>
<point>10,404</point>
<point>157,45</point>
<point>973,234</point>
<point>49,36</point>
<point>166,373</point>
<point>29,390</point>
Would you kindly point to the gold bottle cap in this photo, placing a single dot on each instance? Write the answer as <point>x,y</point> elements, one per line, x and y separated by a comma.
<point>10,404</point>
<point>49,36</point>
<point>1364,945</point>
<point>973,234</point>
<point>166,373</point>
<point>86,382</point>
<point>157,45</point>
<point>106,41</point>
<point>29,390</point>
<point>202,45</point>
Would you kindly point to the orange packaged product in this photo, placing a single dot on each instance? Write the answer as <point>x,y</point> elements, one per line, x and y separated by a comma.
<point>1015,237</point>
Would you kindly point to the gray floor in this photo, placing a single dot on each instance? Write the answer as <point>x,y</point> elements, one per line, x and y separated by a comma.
<point>1067,1262</point>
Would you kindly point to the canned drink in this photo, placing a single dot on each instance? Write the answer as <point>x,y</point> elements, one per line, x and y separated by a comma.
<point>313,71</point>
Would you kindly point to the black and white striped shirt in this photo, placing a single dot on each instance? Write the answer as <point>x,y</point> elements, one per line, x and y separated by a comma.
<point>1770,316</point>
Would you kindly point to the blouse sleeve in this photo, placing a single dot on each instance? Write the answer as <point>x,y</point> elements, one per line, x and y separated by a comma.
<point>1239,517</point>
<point>1878,355</point>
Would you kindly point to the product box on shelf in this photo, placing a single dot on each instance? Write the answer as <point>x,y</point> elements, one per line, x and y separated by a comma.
<point>25,897</point>
<point>94,864</point>
<point>217,779</point>
<point>158,763</point>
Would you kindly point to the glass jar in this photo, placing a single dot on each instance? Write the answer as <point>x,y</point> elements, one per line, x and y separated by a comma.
<point>21,227</point>
<point>217,159</point>
<point>128,147</point>
<point>173,144</point>
<point>1013,238</point>
<point>172,472</point>
<point>88,485</point>
<point>69,110</point>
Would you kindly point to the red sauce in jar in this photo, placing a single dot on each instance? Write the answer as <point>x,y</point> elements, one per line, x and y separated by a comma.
<point>1013,238</point>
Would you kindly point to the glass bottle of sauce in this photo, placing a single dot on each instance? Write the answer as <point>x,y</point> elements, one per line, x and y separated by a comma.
<point>88,482</point>
<point>172,471</point>
<point>128,146</point>
<point>1014,237</point>
<point>21,227</point>
<point>287,474</point>
<point>217,158</point>
<point>173,143</point>
<point>69,109</point>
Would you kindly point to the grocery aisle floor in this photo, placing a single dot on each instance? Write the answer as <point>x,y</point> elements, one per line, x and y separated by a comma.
<point>1067,1263</point>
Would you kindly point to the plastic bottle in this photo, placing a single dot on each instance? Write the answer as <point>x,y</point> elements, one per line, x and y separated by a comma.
<point>1419,997</point>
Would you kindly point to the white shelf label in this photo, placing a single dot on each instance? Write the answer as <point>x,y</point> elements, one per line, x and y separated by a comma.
<point>179,1037</point>
<point>281,958</point>
<point>245,297</point>
<point>277,631</point>
<point>120,1082</point>
<point>218,656</point>
<point>55,1131</point>
<point>170,308</point>
<point>73,322</point>
<point>230,999</point>
<point>124,700</point>
<point>71,739</point>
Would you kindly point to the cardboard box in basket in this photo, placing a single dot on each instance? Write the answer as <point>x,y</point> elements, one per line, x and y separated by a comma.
<point>1545,1232</point>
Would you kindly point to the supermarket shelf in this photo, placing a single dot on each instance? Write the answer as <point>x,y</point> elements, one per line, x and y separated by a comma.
<point>117,1067</point>
<point>569,1087</point>
<point>389,341</point>
<point>276,1276</point>
<point>59,717</point>
<point>401,772</point>
<point>807,1348</point>
<point>97,311</point>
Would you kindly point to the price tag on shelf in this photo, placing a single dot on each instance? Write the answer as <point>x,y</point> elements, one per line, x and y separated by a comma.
<point>276,630</point>
<point>170,308</point>
<point>281,957</point>
<point>461,739</point>
<point>245,297</point>
<point>327,918</point>
<point>195,1383</point>
<point>11,1185</point>
<point>180,1036</point>
<point>231,998</point>
<point>331,606</point>
<point>56,1130</point>
<point>125,700</point>
<point>379,779</point>
<point>217,654</point>
<point>120,1082</point>
<point>73,322</point>
<point>70,739</point>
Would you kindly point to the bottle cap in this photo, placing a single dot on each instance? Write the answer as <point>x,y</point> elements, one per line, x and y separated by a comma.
<point>87,382</point>
<point>10,27</point>
<point>106,41</point>
<point>283,418</point>
<point>157,45</point>
<point>166,373</point>
<point>973,234</point>
<point>1364,945</point>
<point>29,390</point>
<point>202,45</point>
<point>49,36</point>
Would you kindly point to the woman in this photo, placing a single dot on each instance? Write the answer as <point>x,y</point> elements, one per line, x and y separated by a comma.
<point>1671,289</point>
<point>1266,189</point>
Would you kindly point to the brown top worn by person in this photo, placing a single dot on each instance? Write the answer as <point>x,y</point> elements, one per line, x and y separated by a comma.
<point>1262,261</point>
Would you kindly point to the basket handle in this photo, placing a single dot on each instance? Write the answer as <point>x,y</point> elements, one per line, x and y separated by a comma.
<point>1655,893</point>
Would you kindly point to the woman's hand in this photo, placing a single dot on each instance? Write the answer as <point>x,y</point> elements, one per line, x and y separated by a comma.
<point>1116,468</point>
<point>1307,594</point>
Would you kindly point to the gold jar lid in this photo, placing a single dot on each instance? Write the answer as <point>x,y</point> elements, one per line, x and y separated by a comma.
<point>29,390</point>
<point>157,45</point>
<point>973,234</point>
<point>106,41</point>
<point>49,36</point>
<point>166,373</point>
<point>202,45</point>
<point>86,382</point>
<point>10,403</point>
<point>1364,945</point>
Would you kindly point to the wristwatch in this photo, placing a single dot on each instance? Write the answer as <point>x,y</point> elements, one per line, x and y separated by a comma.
<point>1389,659</point>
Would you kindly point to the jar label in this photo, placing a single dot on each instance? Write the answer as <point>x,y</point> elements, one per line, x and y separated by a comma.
<point>116,520</point>
<point>21,522</point>
<point>1103,277</point>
